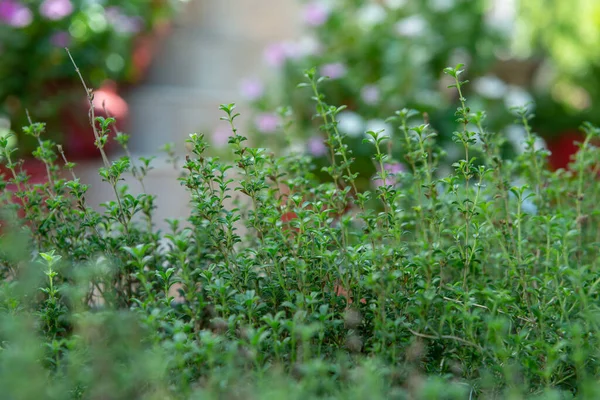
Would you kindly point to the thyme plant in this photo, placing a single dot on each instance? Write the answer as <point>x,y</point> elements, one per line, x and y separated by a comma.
<point>478,284</point>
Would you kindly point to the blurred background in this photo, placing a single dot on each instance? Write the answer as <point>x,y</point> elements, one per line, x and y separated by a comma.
<point>162,67</point>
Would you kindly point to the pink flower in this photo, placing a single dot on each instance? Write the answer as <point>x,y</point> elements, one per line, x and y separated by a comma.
<point>316,147</point>
<point>123,23</point>
<point>60,39</point>
<point>220,136</point>
<point>277,53</point>
<point>55,10</point>
<point>392,170</point>
<point>15,14</point>
<point>252,89</point>
<point>333,70</point>
<point>315,14</point>
<point>267,122</point>
<point>370,94</point>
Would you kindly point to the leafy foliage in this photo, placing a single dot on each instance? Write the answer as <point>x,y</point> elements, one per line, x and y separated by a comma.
<point>480,283</point>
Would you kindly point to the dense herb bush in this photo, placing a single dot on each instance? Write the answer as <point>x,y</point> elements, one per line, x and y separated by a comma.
<point>480,284</point>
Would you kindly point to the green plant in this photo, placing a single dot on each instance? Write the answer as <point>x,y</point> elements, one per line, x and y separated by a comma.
<point>482,283</point>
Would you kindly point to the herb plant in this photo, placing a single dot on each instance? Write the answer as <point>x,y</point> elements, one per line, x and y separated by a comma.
<point>481,283</point>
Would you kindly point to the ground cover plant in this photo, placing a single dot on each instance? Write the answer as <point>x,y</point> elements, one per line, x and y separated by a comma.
<point>479,284</point>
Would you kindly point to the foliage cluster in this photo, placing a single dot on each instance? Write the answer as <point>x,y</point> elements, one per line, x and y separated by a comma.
<point>481,283</point>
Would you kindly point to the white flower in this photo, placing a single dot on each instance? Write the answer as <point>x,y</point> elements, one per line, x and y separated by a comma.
<point>296,147</point>
<point>517,135</point>
<point>540,144</point>
<point>441,5</point>
<point>308,46</point>
<point>460,55</point>
<point>5,130</point>
<point>395,4</point>
<point>502,15</point>
<point>490,87</point>
<point>420,55</point>
<point>370,15</point>
<point>4,126</point>
<point>350,123</point>
<point>528,207</point>
<point>411,26</point>
<point>516,96</point>
<point>377,125</point>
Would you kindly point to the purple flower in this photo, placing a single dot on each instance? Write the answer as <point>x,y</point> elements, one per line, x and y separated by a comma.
<point>315,14</point>
<point>123,23</point>
<point>333,70</point>
<point>392,170</point>
<point>56,9</point>
<point>267,122</point>
<point>15,14</point>
<point>220,136</point>
<point>370,94</point>
<point>60,39</point>
<point>251,89</point>
<point>277,53</point>
<point>316,147</point>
